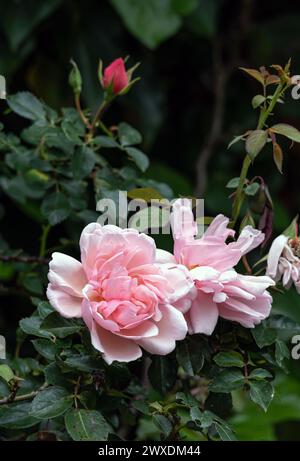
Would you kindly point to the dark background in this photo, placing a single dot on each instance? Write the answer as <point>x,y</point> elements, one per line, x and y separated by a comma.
<point>191,100</point>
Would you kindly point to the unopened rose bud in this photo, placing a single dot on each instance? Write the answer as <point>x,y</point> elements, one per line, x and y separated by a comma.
<point>115,76</point>
<point>75,79</point>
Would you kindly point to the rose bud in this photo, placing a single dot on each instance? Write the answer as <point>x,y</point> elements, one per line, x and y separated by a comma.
<point>115,76</point>
<point>115,79</point>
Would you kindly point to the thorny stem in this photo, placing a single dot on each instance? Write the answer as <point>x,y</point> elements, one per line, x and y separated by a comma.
<point>264,114</point>
<point>105,129</point>
<point>246,265</point>
<point>13,398</point>
<point>43,244</point>
<point>24,259</point>
<point>76,390</point>
<point>103,106</point>
<point>80,111</point>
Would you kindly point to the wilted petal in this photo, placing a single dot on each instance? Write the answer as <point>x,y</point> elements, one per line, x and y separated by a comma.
<point>274,255</point>
<point>249,239</point>
<point>218,228</point>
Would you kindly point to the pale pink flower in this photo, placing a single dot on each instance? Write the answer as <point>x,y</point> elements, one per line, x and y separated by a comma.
<point>124,296</point>
<point>284,261</point>
<point>218,289</point>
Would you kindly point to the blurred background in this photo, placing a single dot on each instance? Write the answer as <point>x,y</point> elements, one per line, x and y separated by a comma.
<point>191,100</point>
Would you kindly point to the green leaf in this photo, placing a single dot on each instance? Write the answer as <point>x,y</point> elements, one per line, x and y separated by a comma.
<point>281,352</point>
<point>262,393</point>
<point>162,373</point>
<point>44,309</point>
<point>227,381</point>
<point>56,138</point>
<point>72,124</point>
<point>189,357</point>
<point>84,363</point>
<point>56,208</point>
<point>45,348</point>
<point>291,230</point>
<point>6,373</point>
<point>260,374</point>
<point>187,399</point>
<point>235,140</point>
<point>26,105</point>
<point>286,130</point>
<point>83,162</point>
<point>257,101</point>
<point>205,418</point>
<point>229,359</point>
<point>254,73</point>
<point>233,183</point>
<point>151,22</point>
<point>252,189</point>
<point>55,377</point>
<point>128,135</point>
<point>50,403</point>
<point>263,335</point>
<point>225,432</point>
<point>255,142</point>
<point>32,326</point>
<point>16,416</point>
<point>59,326</point>
<point>163,424</point>
<point>86,425</point>
<point>106,141</point>
<point>277,156</point>
<point>139,158</point>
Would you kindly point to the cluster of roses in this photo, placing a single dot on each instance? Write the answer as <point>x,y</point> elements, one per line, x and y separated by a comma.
<point>132,295</point>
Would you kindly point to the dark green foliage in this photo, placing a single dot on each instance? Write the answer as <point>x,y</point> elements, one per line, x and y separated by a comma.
<point>53,171</point>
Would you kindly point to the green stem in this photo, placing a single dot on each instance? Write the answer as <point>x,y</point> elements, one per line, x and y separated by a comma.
<point>105,129</point>
<point>19,398</point>
<point>80,111</point>
<point>98,115</point>
<point>264,114</point>
<point>238,201</point>
<point>43,244</point>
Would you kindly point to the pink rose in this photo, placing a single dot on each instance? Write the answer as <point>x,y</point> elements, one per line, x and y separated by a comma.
<point>124,296</point>
<point>218,289</point>
<point>284,261</point>
<point>115,75</point>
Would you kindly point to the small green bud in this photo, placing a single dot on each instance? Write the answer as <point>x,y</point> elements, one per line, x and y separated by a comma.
<point>75,80</point>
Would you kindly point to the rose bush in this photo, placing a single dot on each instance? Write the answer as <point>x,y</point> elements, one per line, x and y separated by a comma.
<point>137,342</point>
